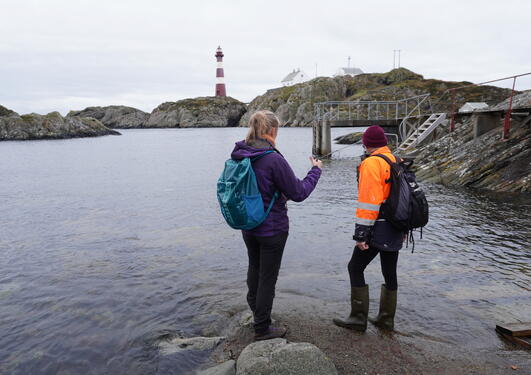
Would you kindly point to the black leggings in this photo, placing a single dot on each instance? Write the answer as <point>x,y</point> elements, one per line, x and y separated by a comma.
<point>360,260</point>
<point>265,256</point>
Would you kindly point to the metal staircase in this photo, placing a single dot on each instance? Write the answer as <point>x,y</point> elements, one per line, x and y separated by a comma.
<point>425,129</point>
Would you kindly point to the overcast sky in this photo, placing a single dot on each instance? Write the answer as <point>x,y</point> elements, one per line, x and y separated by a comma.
<point>58,55</point>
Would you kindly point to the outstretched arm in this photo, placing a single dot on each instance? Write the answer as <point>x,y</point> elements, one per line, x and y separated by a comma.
<point>293,188</point>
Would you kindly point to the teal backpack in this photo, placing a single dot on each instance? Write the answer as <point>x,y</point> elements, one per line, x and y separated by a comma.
<point>238,195</point>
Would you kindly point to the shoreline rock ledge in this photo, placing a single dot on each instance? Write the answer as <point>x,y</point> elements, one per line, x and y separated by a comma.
<point>15,127</point>
<point>202,112</point>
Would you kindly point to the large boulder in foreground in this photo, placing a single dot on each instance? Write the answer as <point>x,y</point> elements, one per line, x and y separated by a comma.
<point>282,358</point>
<point>50,126</point>
<point>204,112</point>
<point>115,116</point>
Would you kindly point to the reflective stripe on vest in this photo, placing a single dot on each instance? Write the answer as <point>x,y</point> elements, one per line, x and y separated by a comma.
<point>369,206</point>
<point>362,221</point>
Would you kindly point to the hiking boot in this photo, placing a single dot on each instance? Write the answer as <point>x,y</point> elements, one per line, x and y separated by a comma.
<point>386,316</point>
<point>271,333</point>
<point>359,301</point>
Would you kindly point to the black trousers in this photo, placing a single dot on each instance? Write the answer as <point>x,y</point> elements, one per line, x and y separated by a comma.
<point>265,256</point>
<point>361,259</point>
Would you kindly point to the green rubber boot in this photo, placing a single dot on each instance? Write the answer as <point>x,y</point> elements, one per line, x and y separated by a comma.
<point>359,300</point>
<point>386,316</point>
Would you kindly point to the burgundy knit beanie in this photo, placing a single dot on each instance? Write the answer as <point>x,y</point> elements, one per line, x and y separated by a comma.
<point>374,136</point>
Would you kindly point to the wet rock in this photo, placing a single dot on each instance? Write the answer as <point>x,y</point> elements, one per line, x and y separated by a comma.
<point>349,139</point>
<point>226,368</point>
<point>282,358</point>
<point>50,126</point>
<point>198,112</point>
<point>486,162</point>
<point>247,319</point>
<point>115,116</point>
<point>179,344</point>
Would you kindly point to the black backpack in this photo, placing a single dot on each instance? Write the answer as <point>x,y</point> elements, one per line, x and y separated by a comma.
<point>406,208</point>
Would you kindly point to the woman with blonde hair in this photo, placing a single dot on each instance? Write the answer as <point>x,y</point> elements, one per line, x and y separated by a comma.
<point>265,243</point>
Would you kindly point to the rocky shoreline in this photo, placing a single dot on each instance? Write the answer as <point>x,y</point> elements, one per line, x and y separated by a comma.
<point>293,104</point>
<point>315,346</point>
<point>51,126</point>
<point>486,163</point>
<point>205,112</point>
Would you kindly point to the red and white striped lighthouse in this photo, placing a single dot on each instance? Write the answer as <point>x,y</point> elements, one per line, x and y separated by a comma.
<point>220,83</point>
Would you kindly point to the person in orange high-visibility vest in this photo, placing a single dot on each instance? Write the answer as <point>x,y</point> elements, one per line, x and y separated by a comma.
<point>373,236</point>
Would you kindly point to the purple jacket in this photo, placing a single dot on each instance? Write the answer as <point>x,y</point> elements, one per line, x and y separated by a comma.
<point>273,173</point>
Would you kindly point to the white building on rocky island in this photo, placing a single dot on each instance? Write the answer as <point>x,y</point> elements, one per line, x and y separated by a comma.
<point>348,71</point>
<point>297,76</point>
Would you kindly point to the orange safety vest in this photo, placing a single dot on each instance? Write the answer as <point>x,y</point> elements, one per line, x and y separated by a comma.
<point>373,189</point>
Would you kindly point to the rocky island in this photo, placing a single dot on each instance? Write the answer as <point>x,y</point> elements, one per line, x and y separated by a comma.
<point>115,116</point>
<point>200,112</point>
<point>51,126</point>
<point>295,104</point>
<point>203,112</point>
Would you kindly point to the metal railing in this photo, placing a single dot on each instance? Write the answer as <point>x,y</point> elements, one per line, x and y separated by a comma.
<point>371,110</point>
<point>452,104</point>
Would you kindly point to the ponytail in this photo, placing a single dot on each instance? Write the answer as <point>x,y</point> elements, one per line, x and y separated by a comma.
<point>261,125</point>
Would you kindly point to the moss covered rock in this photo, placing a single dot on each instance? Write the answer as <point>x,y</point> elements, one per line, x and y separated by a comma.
<point>50,126</point>
<point>115,116</point>
<point>6,112</point>
<point>197,112</point>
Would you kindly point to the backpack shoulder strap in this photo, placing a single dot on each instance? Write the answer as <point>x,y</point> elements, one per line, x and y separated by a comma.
<point>262,155</point>
<point>385,158</point>
<point>391,164</point>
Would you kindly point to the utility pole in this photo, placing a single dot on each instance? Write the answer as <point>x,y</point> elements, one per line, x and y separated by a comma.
<point>315,70</point>
<point>348,65</point>
<point>395,65</point>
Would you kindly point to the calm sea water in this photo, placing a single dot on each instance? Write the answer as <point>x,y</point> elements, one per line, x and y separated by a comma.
<point>109,243</point>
